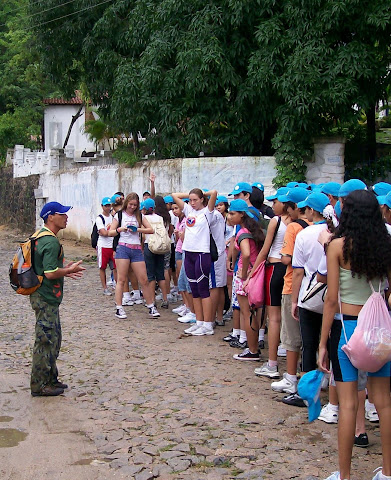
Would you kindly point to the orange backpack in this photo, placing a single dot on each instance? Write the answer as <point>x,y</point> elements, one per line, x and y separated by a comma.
<point>23,278</point>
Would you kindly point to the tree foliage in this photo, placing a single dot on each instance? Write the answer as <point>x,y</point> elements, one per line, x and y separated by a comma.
<point>223,76</point>
<point>22,84</point>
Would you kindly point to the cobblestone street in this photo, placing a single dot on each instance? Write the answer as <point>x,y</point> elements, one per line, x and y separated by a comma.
<point>147,402</point>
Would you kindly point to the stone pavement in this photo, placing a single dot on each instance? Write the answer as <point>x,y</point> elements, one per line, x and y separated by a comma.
<point>152,403</point>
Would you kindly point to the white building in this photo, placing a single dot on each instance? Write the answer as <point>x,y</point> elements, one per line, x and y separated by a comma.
<point>57,118</point>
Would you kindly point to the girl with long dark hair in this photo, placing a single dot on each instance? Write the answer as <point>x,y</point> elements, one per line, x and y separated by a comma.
<point>359,253</point>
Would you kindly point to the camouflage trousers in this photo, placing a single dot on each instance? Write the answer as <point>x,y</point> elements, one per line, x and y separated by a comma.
<point>47,343</point>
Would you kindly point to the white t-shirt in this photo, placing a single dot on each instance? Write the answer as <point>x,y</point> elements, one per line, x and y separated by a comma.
<point>276,246</point>
<point>308,253</point>
<point>174,223</point>
<point>197,234</point>
<point>217,227</point>
<point>129,236</point>
<point>388,227</point>
<point>105,242</point>
<point>153,219</point>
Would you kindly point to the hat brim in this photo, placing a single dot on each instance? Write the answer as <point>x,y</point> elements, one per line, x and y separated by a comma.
<point>302,204</point>
<point>284,199</point>
<point>64,209</point>
<point>272,197</point>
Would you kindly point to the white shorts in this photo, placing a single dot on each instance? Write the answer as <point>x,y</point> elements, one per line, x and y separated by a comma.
<point>218,272</point>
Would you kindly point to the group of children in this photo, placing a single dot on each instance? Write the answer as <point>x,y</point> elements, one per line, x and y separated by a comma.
<point>216,248</point>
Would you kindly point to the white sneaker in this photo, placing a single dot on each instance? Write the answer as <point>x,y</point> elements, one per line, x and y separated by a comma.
<point>159,297</point>
<point>107,292</point>
<point>281,352</point>
<point>172,297</point>
<point>284,385</point>
<point>267,371</point>
<point>379,475</point>
<point>120,313</point>
<point>174,290</point>
<point>127,302</point>
<point>188,318</point>
<point>334,476</point>
<point>192,329</point>
<point>136,297</point>
<point>203,331</point>
<point>181,310</point>
<point>328,415</point>
<point>371,413</point>
<point>153,312</point>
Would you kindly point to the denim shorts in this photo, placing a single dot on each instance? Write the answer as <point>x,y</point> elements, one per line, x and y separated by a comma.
<point>178,256</point>
<point>183,282</point>
<point>129,252</point>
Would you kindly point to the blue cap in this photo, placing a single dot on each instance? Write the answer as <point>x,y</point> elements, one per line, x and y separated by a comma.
<point>221,199</point>
<point>280,191</point>
<point>387,200</point>
<point>292,184</point>
<point>141,205</point>
<point>303,185</point>
<point>52,208</point>
<point>309,390</point>
<point>337,209</point>
<point>331,188</point>
<point>168,199</point>
<point>258,185</point>
<point>240,205</point>
<point>114,197</point>
<point>106,201</point>
<point>312,186</point>
<point>382,188</point>
<point>351,186</point>
<point>149,203</point>
<point>241,187</point>
<point>295,195</point>
<point>317,201</point>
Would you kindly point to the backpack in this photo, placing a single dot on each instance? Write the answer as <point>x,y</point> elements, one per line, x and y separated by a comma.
<point>95,233</point>
<point>255,288</point>
<point>116,238</point>
<point>159,242</point>
<point>369,348</point>
<point>314,294</point>
<point>23,278</point>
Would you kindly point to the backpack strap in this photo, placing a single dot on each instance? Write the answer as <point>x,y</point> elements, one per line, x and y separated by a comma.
<point>301,222</point>
<point>243,236</point>
<point>103,220</point>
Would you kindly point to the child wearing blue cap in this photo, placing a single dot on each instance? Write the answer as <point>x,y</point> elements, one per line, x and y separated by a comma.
<point>248,241</point>
<point>350,268</point>
<point>104,247</point>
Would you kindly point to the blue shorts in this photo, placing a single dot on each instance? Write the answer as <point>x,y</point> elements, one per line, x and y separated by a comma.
<point>343,370</point>
<point>183,282</point>
<point>178,256</point>
<point>128,252</point>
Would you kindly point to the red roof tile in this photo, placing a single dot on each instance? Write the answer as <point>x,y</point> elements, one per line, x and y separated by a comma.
<point>76,100</point>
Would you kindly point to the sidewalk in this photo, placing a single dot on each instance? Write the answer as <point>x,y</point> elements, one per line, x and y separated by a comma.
<point>147,402</point>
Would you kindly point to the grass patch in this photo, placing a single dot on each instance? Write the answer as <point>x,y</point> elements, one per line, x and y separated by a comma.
<point>167,448</point>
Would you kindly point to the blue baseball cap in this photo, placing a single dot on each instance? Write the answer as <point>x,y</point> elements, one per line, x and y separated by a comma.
<point>337,209</point>
<point>303,185</point>
<point>114,198</point>
<point>292,184</point>
<point>280,191</point>
<point>351,186</point>
<point>382,188</point>
<point>240,205</point>
<point>241,187</point>
<point>295,195</point>
<point>168,199</point>
<point>331,188</point>
<point>52,208</point>
<point>141,205</point>
<point>317,201</point>
<point>387,200</point>
<point>258,185</point>
<point>106,201</point>
<point>149,203</point>
<point>221,199</point>
<point>309,388</point>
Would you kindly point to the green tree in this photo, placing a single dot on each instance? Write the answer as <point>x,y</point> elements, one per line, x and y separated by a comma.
<point>223,76</point>
<point>22,84</point>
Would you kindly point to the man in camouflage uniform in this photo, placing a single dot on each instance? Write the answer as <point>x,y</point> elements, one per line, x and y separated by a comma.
<point>48,261</point>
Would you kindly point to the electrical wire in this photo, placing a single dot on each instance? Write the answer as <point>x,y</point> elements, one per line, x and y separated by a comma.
<point>63,16</point>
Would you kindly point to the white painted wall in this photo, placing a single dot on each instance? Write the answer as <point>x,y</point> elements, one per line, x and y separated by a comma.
<point>57,119</point>
<point>84,188</point>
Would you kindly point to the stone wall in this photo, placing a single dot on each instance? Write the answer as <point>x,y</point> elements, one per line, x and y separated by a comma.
<point>17,201</point>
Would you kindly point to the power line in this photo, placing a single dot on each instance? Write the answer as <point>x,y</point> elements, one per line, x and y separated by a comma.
<point>65,16</point>
<point>30,15</point>
<point>23,7</point>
